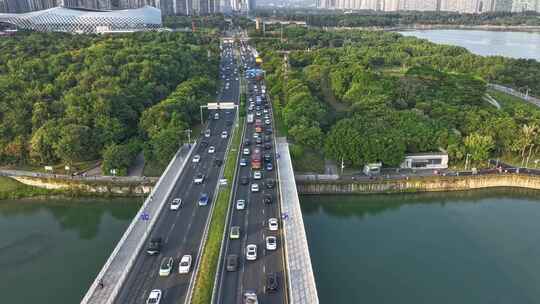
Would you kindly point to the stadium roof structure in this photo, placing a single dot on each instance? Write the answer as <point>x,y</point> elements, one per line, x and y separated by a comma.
<point>61,19</point>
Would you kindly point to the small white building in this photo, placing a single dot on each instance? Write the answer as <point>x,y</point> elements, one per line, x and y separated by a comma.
<point>431,160</point>
<point>372,169</point>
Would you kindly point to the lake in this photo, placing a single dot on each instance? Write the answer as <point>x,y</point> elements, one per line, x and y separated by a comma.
<point>485,43</point>
<point>462,247</point>
<point>51,250</point>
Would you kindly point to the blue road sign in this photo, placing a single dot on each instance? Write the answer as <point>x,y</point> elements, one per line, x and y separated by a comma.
<point>145,216</point>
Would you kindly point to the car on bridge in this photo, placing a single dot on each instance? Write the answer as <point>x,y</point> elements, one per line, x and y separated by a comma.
<point>196,158</point>
<point>232,262</point>
<point>240,204</point>
<point>176,204</point>
<point>185,264</point>
<point>154,297</point>
<point>203,200</point>
<point>273,224</point>
<point>250,297</point>
<point>154,246</point>
<point>211,150</point>
<point>271,282</point>
<point>235,233</point>
<point>271,243</point>
<point>251,252</point>
<point>199,179</point>
<point>166,266</point>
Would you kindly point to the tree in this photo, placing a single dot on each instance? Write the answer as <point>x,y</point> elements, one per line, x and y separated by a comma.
<point>479,146</point>
<point>74,144</point>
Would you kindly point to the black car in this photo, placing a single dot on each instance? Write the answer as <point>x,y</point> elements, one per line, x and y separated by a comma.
<point>267,138</point>
<point>268,131</point>
<point>267,146</point>
<point>247,142</point>
<point>270,183</point>
<point>272,282</point>
<point>244,180</point>
<point>267,156</point>
<point>204,144</point>
<point>229,122</point>
<point>154,247</point>
<point>267,199</point>
<point>258,140</point>
<point>218,162</point>
<point>232,262</point>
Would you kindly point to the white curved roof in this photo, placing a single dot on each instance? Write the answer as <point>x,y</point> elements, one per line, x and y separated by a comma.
<point>129,18</point>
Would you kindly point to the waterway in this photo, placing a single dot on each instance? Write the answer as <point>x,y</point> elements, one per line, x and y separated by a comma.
<point>462,247</point>
<point>50,251</point>
<point>485,43</point>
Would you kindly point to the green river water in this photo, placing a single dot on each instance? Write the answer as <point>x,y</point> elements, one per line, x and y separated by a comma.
<point>461,247</point>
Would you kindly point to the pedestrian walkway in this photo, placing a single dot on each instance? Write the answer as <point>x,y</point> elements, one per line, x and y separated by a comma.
<point>111,277</point>
<point>301,281</point>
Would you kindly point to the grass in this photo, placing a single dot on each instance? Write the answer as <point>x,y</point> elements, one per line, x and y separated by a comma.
<point>207,272</point>
<point>12,189</point>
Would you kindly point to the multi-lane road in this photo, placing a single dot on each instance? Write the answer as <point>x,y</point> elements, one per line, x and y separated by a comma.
<point>253,219</point>
<point>182,230</point>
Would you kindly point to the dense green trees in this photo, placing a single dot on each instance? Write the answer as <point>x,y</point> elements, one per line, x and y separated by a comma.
<point>381,95</point>
<point>70,98</point>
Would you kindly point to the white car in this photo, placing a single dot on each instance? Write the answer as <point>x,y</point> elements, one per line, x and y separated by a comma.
<point>271,243</point>
<point>166,266</point>
<point>240,204</point>
<point>251,252</point>
<point>257,175</point>
<point>212,149</point>
<point>185,264</point>
<point>224,134</point>
<point>267,121</point>
<point>235,233</point>
<point>254,187</point>
<point>154,297</point>
<point>273,224</point>
<point>207,133</point>
<point>196,158</point>
<point>176,204</point>
<point>246,151</point>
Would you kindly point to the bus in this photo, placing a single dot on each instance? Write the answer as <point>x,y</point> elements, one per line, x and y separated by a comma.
<point>250,118</point>
<point>256,160</point>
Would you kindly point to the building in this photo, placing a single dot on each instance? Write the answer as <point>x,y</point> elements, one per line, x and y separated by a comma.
<point>60,19</point>
<point>434,160</point>
<point>460,6</point>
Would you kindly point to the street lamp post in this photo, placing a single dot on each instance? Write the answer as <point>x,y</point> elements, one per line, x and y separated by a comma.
<point>467,161</point>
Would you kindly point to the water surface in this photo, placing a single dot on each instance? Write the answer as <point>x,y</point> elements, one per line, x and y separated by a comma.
<point>463,247</point>
<point>51,250</point>
<point>509,44</point>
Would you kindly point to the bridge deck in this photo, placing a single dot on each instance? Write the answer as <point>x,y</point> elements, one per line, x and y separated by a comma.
<point>117,266</point>
<point>302,288</point>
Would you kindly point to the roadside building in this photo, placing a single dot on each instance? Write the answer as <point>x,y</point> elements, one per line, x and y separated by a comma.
<point>432,160</point>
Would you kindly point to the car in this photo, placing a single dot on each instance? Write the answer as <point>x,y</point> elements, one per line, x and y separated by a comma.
<point>199,179</point>
<point>246,151</point>
<point>258,140</point>
<point>267,199</point>
<point>271,284</point>
<point>267,156</point>
<point>257,175</point>
<point>176,204</point>
<point>267,138</point>
<point>203,199</point>
<point>235,233</point>
<point>250,297</point>
<point>166,266</point>
<point>243,162</point>
<point>244,180</point>
<point>216,116</point>
<point>247,142</point>
<point>258,113</point>
<point>270,183</point>
<point>185,264</point>
<point>269,167</point>
<point>265,111</point>
<point>240,204</point>
<point>207,133</point>
<point>196,158</point>
<point>268,131</point>
<point>232,262</point>
<point>273,224</point>
<point>251,252</point>
<point>154,246</point>
<point>211,150</point>
<point>224,134</point>
<point>250,108</point>
<point>218,162</point>
<point>271,243</point>
<point>267,146</point>
<point>229,122</point>
<point>254,187</point>
<point>154,297</point>
<point>268,122</point>
<point>204,144</point>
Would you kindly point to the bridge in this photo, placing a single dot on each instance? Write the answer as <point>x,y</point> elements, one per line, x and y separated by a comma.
<point>130,274</point>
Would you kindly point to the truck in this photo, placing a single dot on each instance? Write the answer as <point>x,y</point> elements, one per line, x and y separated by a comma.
<point>250,118</point>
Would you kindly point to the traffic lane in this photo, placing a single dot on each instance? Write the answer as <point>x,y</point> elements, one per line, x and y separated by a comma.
<point>144,282</point>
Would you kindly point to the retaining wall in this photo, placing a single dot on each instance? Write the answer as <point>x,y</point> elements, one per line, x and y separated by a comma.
<point>419,184</point>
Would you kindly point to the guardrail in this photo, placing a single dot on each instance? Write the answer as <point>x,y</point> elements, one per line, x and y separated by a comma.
<point>515,93</point>
<point>112,295</point>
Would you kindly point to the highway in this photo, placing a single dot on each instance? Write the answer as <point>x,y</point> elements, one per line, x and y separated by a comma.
<point>253,220</point>
<point>182,230</point>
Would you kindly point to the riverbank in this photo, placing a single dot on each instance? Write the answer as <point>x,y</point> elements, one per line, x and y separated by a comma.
<point>418,27</point>
<point>418,184</point>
